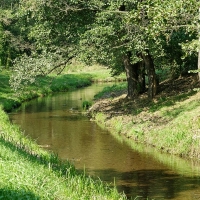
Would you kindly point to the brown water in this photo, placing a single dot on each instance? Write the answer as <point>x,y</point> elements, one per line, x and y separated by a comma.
<point>56,123</point>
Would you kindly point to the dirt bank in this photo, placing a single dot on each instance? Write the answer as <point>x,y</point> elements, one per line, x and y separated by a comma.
<point>170,122</point>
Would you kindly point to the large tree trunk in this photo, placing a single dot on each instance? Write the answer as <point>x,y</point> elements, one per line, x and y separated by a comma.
<point>199,64</point>
<point>153,81</point>
<point>141,77</point>
<point>132,77</point>
<point>199,48</point>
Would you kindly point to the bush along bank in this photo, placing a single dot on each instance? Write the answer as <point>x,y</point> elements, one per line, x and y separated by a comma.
<point>170,123</point>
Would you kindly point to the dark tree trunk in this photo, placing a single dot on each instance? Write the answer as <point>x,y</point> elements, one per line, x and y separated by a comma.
<point>199,50</point>
<point>141,77</point>
<point>199,65</point>
<point>152,78</point>
<point>134,73</point>
<point>132,76</point>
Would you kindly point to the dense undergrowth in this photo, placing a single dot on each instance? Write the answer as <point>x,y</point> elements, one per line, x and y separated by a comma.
<point>29,172</point>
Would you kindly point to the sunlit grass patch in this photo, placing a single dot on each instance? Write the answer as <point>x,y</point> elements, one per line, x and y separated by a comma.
<point>98,72</point>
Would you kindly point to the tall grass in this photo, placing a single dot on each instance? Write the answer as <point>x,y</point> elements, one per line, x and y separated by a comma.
<point>29,172</point>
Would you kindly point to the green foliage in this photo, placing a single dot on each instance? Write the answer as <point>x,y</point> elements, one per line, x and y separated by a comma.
<point>52,33</point>
<point>42,86</point>
<point>143,25</point>
<point>52,30</point>
<point>86,105</point>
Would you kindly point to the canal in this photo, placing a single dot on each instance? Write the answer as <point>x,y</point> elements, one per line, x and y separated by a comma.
<point>56,123</point>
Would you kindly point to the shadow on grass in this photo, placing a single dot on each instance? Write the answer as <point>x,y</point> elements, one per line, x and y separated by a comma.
<point>62,167</point>
<point>152,184</point>
<point>10,194</point>
<point>184,108</point>
<point>9,104</point>
<point>168,102</point>
<point>135,107</point>
<point>4,82</point>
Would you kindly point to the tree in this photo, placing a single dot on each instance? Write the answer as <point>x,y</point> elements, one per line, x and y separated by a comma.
<point>199,46</point>
<point>178,22</point>
<point>123,35</point>
<point>138,32</point>
<point>119,40</point>
<point>12,42</point>
<point>53,28</point>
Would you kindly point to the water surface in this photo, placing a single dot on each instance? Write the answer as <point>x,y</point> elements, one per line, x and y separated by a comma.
<point>56,123</point>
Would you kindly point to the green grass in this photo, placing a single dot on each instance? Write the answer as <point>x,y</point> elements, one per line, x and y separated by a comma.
<point>75,76</point>
<point>42,87</point>
<point>98,73</point>
<point>29,172</point>
<point>111,91</point>
<point>170,124</point>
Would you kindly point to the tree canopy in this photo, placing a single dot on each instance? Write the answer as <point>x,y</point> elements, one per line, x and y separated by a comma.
<point>138,37</point>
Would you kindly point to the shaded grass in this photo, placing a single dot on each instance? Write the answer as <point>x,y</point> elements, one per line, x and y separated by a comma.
<point>112,91</point>
<point>169,101</point>
<point>7,98</point>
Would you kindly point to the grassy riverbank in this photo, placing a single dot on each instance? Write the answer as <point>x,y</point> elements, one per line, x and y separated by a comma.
<point>29,172</point>
<point>74,77</point>
<point>42,87</point>
<point>170,123</point>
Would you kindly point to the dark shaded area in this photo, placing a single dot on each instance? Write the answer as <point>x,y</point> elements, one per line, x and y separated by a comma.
<point>9,104</point>
<point>9,194</point>
<point>151,184</point>
<point>4,83</point>
<point>171,92</point>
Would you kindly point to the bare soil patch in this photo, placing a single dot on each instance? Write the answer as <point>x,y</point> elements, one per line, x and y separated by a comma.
<point>118,104</point>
